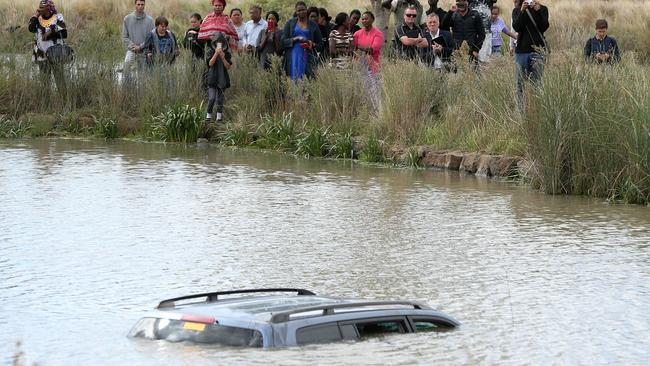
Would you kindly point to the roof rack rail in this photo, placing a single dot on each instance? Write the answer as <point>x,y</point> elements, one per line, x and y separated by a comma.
<point>328,309</point>
<point>214,296</point>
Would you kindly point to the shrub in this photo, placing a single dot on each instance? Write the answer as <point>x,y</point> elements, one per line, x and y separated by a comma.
<point>372,151</point>
<point>343,145</point>
<point>179,123</point>
<point>277,133</point>
<point>106,127</point>
<point>313,142</point>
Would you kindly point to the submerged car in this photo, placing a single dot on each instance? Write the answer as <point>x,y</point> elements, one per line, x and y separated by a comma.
<point>272,318</point>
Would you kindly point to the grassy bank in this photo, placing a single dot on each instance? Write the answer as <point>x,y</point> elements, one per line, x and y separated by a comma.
<point>586,130</point>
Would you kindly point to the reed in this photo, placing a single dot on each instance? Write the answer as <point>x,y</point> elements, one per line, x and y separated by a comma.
<point>412,96</point>
<point>594,140</point>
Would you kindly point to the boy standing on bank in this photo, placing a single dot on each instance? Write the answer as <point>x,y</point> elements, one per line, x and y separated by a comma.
<point>602,48</point>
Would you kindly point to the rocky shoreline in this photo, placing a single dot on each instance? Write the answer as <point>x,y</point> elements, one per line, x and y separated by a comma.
<point>477,163</point>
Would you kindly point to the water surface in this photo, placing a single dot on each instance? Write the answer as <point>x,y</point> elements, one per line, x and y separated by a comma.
<point>93,234</point>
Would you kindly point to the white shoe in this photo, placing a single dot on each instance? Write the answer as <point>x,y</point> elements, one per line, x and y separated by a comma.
<point>208,117</point>
<point>219,116</point>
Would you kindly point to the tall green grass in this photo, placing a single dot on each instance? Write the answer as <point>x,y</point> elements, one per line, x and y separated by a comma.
<point>588,131</point>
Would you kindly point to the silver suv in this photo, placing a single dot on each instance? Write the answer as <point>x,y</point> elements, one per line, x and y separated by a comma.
<point>273,320</point>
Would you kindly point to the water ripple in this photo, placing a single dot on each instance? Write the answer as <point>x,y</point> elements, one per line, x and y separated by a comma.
<point>93,234</point>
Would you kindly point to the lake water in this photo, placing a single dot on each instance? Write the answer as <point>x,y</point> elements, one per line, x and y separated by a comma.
<point>93,234</point>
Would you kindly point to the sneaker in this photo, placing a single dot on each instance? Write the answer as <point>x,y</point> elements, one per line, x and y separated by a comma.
<point>219,117</point>
<point>208,117</point>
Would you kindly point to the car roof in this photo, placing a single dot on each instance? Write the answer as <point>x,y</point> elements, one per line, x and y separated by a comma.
<point>275,308</point>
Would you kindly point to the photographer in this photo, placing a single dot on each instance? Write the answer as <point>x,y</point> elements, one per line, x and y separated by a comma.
<point>49,29</point>
<point>530,21</point>
<point>219,59</point>
<point>602,48</point>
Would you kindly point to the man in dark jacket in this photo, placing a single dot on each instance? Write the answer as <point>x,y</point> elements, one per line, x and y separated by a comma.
<point>466,26</point>
<point>530,21</point>
<point>602,48</point>
<point>434,9</point>
<point>440,44</point>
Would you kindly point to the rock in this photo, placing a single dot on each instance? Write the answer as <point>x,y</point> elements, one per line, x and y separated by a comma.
<point>485,162</point>
<point>469,163</point>
<point>435,159</point>
<point>453,160</point>
<point>202,140</point>
<point>504,166</point>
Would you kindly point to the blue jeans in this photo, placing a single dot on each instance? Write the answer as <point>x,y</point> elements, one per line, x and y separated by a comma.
<point>530,66</point>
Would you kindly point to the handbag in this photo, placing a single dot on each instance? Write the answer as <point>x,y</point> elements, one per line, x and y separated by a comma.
<point>60,54</point>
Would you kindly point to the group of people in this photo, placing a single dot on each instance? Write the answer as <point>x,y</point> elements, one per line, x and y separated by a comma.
<point>310,39</point>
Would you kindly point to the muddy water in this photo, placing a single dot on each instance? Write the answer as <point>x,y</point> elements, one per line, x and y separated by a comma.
<point>93,234</point>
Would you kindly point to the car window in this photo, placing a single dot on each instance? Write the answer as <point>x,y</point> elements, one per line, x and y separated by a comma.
<point>430,325</point>
<point>318,334</point>
<point>378,328</point>
<point>180,331</point>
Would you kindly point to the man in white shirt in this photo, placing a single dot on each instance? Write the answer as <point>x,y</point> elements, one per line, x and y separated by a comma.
<point>253,29</point>
<point>440,44</point>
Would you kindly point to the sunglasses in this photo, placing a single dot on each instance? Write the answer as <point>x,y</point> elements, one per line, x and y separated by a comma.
<point>411,15</point>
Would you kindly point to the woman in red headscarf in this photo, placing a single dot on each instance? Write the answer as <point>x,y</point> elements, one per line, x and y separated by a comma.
<point>217,21</point>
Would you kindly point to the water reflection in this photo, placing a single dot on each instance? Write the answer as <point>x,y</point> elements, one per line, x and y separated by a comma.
<point>92,234</point>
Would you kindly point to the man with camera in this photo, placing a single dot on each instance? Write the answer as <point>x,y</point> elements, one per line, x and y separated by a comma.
<point>530,21</point>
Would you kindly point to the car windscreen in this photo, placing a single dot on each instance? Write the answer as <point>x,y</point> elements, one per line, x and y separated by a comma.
<point>181,331</point>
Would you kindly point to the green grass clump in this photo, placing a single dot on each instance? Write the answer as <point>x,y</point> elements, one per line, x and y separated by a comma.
<point>313,142</point>
<point>179,123</point>
<point>277,133</point>
<point>342,145</point>
<point>372,151</point>
<point>237,134</point>
<point>12,127</point>
<point>106,127</point>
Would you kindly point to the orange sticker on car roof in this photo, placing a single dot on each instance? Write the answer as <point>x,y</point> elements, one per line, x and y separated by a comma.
<point>194,326</point>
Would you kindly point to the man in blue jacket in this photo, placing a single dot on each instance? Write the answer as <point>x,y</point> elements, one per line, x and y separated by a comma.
<point>530,21</point>
<point>602,48</point>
